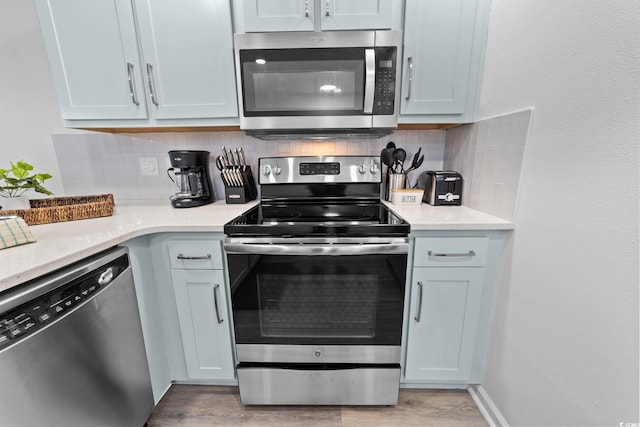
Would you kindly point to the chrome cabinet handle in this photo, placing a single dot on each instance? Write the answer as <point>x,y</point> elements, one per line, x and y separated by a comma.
<point>410,65</point>
<point>470,253</point>
<point>328,14</point>
<point>215,303</point>
<point>419,314</point>
<point>306,8</point>
<point>150,82</point>
<point>182,257</point>
<point>132,91</point>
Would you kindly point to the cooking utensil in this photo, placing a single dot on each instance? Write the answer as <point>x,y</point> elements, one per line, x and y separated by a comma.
<point>415,158</point>
<point>386,157</point>
<point>417,161</point>
<point>417,165</point>
<point>399,156</point>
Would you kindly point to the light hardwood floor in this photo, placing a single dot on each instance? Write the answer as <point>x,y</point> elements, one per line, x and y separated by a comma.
<point>220,406</point>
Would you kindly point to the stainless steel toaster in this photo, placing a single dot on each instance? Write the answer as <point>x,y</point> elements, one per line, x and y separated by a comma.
<point>442,188</point>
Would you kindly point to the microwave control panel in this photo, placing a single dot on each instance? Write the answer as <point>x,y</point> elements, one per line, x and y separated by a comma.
<point>384,98</point>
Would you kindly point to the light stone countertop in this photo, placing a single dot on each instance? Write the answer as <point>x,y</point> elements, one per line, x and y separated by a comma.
<point>59,244</point>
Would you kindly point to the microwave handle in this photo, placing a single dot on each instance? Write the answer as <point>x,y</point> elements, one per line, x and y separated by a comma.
<point>370,80</point>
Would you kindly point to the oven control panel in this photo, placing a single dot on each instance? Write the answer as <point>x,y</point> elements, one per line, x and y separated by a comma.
<point>308,169</point>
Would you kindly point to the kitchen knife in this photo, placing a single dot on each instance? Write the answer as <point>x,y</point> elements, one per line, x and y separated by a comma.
<point>236,158</point>
<point>228,171</point>
<point>220,166</point>
<point>243,158</point>
<point>226,156</point>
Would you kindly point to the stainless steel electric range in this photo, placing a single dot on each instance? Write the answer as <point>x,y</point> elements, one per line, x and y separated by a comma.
<point>317,272</point>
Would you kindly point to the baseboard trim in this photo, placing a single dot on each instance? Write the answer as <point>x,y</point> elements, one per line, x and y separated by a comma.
<point>488,409</point>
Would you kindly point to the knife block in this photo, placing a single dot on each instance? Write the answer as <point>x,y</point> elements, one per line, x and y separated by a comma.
<point>242,193</point>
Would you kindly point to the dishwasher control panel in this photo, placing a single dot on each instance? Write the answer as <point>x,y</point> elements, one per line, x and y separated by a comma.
<point>23,321</point>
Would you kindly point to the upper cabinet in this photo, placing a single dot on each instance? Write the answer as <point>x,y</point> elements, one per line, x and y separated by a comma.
<point>141,62</point>
<point>168,63</point>
<point>93,55</point>
<point>444,42</point>
<point>187,55</point>
<point>318,15</point>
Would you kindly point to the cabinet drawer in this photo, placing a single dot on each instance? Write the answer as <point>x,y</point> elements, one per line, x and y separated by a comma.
<point>195,254</point>
<point>450,251</point>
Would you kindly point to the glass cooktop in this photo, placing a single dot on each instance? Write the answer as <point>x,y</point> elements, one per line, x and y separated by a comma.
<point>318,219</point>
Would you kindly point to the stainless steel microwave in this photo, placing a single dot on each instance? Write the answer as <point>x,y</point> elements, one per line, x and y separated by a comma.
<point>318,83</point>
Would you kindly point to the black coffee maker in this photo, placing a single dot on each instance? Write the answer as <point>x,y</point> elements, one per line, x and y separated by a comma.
<point>190,170</point>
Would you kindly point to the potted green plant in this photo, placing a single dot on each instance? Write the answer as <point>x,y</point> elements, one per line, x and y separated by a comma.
<point>16,181</point>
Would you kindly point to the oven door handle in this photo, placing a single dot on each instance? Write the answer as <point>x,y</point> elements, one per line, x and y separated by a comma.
<point>334,249</point>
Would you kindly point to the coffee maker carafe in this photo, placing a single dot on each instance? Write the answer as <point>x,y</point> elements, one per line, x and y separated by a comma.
<point>193,180</point>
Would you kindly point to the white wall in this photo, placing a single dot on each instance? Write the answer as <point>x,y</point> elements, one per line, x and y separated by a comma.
<point>564,339</point>
<point>28,108</point>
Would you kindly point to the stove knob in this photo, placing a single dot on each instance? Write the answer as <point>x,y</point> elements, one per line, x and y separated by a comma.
<point>277,170</point>
<point>266,171</point>
<point>362,169</point>
<point>374,168</point>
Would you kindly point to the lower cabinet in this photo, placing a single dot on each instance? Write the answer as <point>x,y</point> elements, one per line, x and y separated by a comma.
<point>199,286</point>
<point>443,323</point>
<point>449,309</point>
<point>204,323</point>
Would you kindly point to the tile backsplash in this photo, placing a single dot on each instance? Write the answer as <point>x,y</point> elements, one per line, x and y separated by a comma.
<point>96,163</point>
<point>489,156</point>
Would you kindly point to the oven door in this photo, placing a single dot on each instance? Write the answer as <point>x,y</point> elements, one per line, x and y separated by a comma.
<point>317,300</point>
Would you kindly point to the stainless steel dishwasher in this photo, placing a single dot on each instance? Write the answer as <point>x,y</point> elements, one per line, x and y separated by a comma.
<point>71,348</point>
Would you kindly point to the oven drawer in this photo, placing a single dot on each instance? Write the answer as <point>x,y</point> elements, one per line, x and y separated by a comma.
<point>307,385</point>
<point>195,254</point>
<point>450,251</point>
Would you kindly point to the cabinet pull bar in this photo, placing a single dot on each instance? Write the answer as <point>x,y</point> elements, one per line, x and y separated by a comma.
<point>180,256</point>
<point>470,253</point>
<point>150,81</point>
<point>132,92</point>
<point>410,65</point>
<point>419,314</point>
<point>306,8</point>
<point>328,14</point>
<point>215,303</point>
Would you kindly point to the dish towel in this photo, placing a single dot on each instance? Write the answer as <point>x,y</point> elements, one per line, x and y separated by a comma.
<point>14,231</point>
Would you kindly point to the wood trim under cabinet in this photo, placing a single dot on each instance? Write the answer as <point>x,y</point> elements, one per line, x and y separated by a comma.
<point>152,129</point>
<point>425,126</point>
<point>402,126</point>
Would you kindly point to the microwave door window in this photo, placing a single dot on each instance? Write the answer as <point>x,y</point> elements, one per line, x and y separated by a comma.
<point>303,87</point>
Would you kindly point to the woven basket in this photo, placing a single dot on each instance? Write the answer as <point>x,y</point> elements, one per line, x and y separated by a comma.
<point>61,209</point>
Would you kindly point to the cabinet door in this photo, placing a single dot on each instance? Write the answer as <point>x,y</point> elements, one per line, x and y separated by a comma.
<point>187,52</point>
<point>275,15</point>
<point>438,48</point>
<point>93,55</point>
<point>204,323</point>
<point>444,312</point>
<point>356,14</point>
